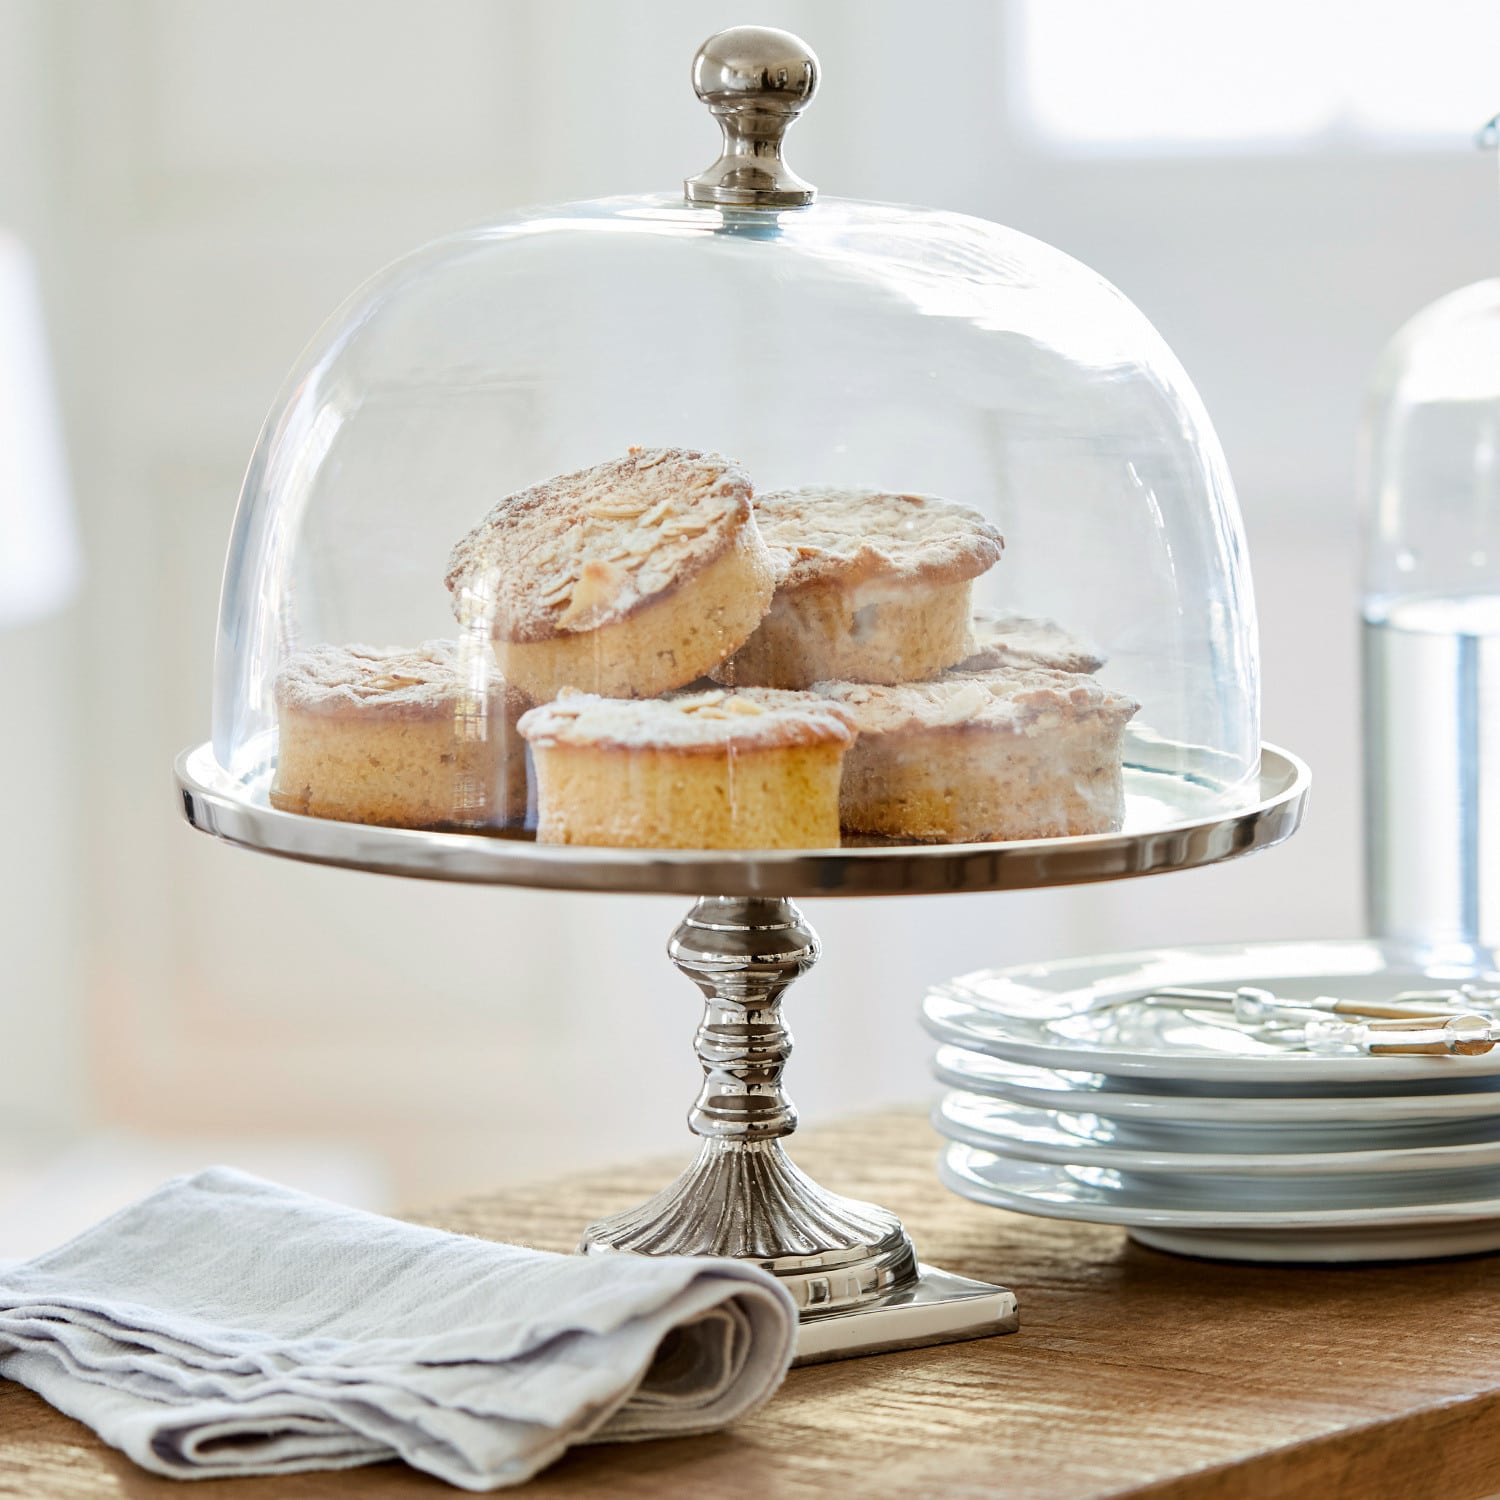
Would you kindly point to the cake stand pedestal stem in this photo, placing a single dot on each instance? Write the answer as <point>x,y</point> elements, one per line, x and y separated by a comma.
<point>850,1266</point>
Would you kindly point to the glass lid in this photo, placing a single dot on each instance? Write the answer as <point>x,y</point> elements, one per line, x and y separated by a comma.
<point>731,519</point>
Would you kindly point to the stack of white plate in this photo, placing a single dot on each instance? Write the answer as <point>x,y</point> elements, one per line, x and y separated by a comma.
<point>1198,1135</point>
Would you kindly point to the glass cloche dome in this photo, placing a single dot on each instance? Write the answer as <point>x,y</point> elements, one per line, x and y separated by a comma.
<point>727,518</point>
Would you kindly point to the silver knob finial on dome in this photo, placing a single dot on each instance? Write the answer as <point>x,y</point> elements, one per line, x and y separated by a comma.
<point>756,81</point>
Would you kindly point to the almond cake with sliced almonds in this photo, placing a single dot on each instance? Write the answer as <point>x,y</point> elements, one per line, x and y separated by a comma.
<point>975,757</point>
<point>871,586</point>
<point>410,738</point>
<point>754,769</point>
<point>628,579</point>
<point>998,638</point>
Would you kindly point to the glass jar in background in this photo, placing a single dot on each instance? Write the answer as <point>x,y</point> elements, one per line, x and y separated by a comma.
<point>1430,464</point>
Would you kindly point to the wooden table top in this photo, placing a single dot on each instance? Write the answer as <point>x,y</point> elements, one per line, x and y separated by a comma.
<point>1134,1373</point>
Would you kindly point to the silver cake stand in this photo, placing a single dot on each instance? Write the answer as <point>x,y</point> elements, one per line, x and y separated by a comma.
<point>850,1266</point>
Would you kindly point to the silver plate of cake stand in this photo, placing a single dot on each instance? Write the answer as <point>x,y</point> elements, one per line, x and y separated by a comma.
<point>850,1266</point>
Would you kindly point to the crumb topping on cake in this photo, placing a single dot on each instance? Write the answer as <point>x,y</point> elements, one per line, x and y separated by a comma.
<point>1000,639</point>
<point>822,535</point>
<point>747,719</point>
<point>586,549</point>
<point>414,680</point>
<point>1020,700</point>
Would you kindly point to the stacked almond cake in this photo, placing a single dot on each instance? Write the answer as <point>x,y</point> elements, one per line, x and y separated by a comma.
<point>693,665</point>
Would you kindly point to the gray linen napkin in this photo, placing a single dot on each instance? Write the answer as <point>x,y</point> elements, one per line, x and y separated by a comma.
<point>224,1325</point>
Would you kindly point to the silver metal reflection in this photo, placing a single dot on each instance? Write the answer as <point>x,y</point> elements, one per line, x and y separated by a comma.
<point>841,1259</point>
<point>235,808</point>
<point>756,81</point>
<point>743,1197</point>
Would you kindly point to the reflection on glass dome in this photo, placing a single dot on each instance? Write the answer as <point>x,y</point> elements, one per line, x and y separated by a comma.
<point>641,523</point>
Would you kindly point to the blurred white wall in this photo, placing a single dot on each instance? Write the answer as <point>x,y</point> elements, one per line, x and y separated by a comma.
<point>41,764</point>
<point>206,182</point>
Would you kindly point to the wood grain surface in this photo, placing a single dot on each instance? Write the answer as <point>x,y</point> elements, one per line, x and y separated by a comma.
<point>1135,1373</point>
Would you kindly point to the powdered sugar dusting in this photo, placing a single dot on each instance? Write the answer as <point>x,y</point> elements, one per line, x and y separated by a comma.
<point>588,548</point>
<point>999,639</point>
<point>1022,700</point>
<point>396,680</point>
<point>823,535</point>
<point>747,718</point>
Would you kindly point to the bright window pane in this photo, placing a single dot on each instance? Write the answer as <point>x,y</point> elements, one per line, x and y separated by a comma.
<point>1200,74</point>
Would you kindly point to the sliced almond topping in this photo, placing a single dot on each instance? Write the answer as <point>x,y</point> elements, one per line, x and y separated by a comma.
<point>617,510</point>
<point>598,587</point>
<point>743,706</point>
<point>970,701</point>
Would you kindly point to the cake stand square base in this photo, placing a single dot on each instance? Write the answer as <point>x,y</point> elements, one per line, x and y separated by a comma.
<point>941,1308</point>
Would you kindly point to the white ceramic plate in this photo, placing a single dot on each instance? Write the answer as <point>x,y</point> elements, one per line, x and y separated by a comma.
<point>1077,1017</point>
<point>1143,1100</point>
<point>1327,1247</point>
<point>1013,1130</point>
<point>1465,1225</point>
